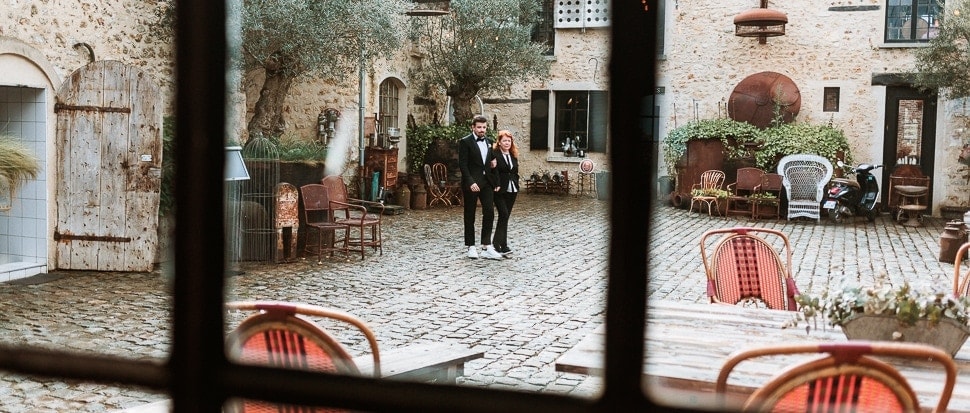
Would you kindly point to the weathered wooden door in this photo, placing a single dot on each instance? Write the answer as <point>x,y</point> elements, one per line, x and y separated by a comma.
<point>108,169</point>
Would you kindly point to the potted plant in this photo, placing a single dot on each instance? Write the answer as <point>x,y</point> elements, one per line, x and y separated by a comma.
<point>17,164</point>
<point>888,313</point>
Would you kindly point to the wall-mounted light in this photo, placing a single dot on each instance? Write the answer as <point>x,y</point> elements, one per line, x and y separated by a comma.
<point>326,124</point>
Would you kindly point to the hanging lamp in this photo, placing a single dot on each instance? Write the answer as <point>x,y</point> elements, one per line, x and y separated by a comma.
<point>761,23</point>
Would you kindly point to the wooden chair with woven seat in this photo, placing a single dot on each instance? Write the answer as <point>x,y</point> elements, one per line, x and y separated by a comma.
<point>363,217</point>
<point>319,219</point>
<point>748,183</point>
<point>743,267</point>
<point>711,181</point>
<point>771,184</point>
<point>283,335</point>
<point>847,377</point>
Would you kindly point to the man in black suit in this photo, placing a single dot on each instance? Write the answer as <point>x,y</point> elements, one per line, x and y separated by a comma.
<point>478,184</point>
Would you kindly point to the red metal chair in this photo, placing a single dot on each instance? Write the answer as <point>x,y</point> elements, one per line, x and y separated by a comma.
<point>356,213</point>
<point>743,267</point>
<point>846,378</point>
<point>748,182</point>
<point>283,335</point>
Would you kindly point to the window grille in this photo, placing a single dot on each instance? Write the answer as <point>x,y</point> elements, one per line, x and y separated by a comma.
<point>576,14</point>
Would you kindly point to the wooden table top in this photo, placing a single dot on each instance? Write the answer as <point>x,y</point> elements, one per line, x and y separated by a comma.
<point>687,343</point>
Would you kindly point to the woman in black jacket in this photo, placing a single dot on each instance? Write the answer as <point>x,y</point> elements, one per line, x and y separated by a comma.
<point>507,166</point>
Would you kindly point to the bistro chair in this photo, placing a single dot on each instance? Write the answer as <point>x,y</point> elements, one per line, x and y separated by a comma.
<point>437,189</point>
<point>847,377</point>
<point>283,335</point>
<point>748,183</point>
<point>439,171</point>
<point>363,217</point>
<point>711,181</point>
<point>743,267</point>
<point>319,219</point>
<point>961,276</point>
<point>805,177</point>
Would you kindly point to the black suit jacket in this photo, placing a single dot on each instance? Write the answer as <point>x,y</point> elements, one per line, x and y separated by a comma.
<point>473,170</point>
<point>506,172</point>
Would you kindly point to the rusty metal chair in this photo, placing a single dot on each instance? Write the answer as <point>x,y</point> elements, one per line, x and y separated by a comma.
<point>748,182</point>
<point>743,267</point>
<point>363,217</point>
<point>847,377</point>
<point>283,335</point>
<point>320,220</point>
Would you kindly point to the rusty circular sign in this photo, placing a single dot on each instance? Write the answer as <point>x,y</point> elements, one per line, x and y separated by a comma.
<point>754,99</point>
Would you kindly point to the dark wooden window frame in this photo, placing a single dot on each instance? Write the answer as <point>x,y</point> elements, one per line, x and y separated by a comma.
<point>198,376</point>
<point>896,19</point>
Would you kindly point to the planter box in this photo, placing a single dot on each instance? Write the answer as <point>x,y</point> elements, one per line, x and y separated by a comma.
<point>948,334</point>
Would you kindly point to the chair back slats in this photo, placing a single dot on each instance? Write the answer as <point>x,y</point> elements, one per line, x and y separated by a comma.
<point>848,377</point>
<point>743,267</point>
<point>712,179</point>
<point>961,276</point>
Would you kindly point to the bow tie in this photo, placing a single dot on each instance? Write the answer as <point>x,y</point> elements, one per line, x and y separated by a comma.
<point>480,139</point>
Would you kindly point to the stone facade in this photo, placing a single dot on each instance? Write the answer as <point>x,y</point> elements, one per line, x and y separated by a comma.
<point>827,44</point>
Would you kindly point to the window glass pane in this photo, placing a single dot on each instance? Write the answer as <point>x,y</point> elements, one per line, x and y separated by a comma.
<point>899,14</point>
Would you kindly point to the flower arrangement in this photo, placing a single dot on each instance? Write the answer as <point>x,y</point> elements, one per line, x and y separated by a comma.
<point>907,304</point>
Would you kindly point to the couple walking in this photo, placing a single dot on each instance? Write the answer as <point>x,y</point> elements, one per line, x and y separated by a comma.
<point>490,176</point>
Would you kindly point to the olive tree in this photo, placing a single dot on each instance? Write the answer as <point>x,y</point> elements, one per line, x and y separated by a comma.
<point>294,39</point>
<point>944,64</point>
<point>480,45</point>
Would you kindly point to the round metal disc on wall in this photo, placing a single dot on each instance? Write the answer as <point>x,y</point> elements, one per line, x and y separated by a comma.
<point>754,99</point>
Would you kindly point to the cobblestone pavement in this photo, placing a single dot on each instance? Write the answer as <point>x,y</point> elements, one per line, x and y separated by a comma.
<point>522,312</point>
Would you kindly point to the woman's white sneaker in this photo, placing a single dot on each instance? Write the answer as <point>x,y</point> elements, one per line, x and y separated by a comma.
<point>473,252</point>
<point>491,254</point>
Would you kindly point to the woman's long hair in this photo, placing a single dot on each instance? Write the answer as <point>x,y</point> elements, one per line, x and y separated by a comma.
<point>514,150</point>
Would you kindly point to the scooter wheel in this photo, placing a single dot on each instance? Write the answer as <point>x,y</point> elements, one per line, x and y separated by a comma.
<point>871,215</point>
<point>836,215</point>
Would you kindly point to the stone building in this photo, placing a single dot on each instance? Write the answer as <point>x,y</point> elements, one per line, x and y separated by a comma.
<point>850,61</point>
<point>87,84</point>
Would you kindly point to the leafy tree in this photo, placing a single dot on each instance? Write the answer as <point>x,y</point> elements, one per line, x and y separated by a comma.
<point>480,45</point>
<point>293,39</point>
<point>944,64</point>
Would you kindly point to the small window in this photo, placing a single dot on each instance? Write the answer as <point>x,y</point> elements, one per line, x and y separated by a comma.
<point>580,119</point>
<point>830,102</point>
<point>913,21</point>
<point>389,106</point>
<point>544,32</point>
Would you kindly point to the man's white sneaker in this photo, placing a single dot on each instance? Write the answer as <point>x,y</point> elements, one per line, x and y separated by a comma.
<point>473,252</point>
<point>491,254</point>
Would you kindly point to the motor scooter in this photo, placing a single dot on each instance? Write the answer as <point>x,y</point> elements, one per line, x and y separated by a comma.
<point>847,197</point>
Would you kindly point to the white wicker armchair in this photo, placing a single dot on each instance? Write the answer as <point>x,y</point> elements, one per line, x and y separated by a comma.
<point>805,177</point>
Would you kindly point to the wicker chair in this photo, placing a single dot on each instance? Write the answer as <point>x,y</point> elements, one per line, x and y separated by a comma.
<point>805,177</point>
<point>710,180</point>
<point>846,378</point>
<point>282,335</point>
<point>748,183</point>
<point>745,268</point>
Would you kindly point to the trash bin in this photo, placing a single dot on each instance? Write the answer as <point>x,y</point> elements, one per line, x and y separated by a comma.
<point>602,185</point>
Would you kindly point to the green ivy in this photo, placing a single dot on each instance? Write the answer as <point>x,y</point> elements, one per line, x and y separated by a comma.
<point>734,134</point>
<point>791,138</point>
<point>419,138</point>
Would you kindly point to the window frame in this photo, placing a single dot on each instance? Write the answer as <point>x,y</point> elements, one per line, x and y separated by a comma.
<point>198,376</point>
<point>937,6</point>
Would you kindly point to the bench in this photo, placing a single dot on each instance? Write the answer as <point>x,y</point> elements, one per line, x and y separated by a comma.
<point>431,362</point>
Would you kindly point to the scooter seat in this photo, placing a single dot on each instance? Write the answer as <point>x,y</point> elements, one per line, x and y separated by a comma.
<point>846,181</point>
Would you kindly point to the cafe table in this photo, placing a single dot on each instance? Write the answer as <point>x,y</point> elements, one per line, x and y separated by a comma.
<point>686,344</point>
